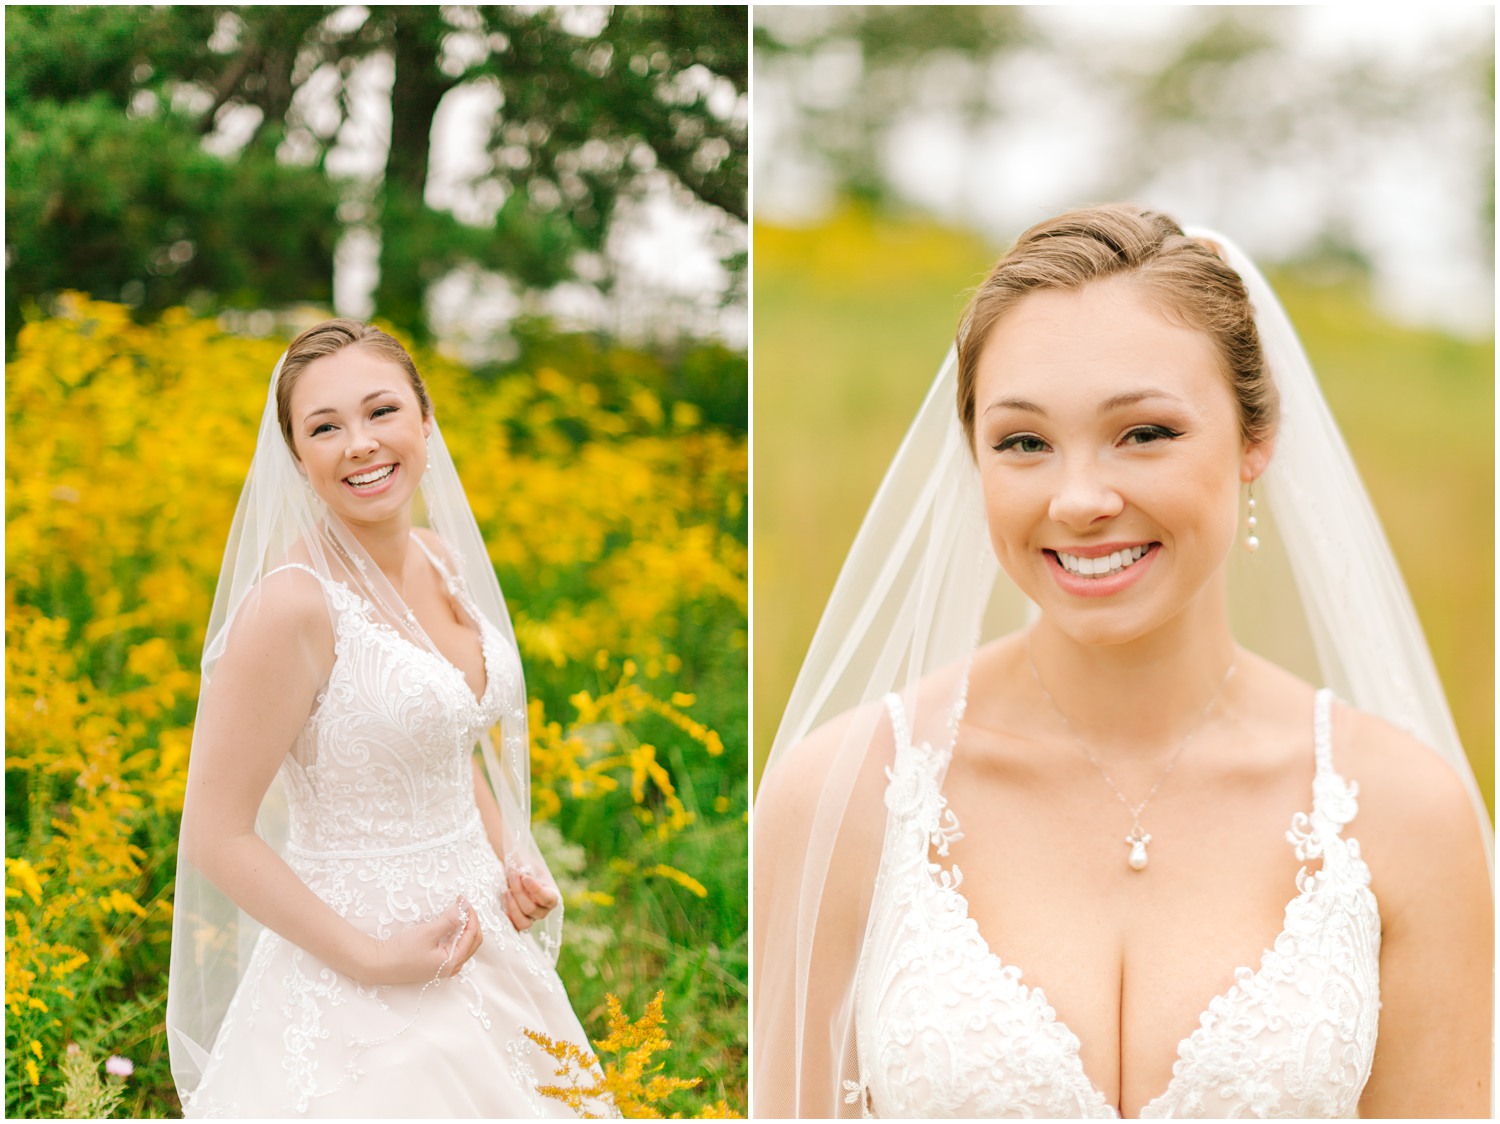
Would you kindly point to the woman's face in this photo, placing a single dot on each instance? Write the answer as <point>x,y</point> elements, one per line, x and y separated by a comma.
<point>359,433</point>
<point>1109,447</point>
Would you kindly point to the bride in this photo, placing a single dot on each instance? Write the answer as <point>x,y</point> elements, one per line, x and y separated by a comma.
<point>1122,860</point>
<point>362,923</point>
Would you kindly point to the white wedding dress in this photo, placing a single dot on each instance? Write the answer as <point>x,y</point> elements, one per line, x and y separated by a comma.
<point>946,1028</point>
<point>383,826</point>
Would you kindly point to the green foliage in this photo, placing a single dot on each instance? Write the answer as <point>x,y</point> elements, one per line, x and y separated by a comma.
<point>134,209</point>
<point>109,189</point>
<point>714,379</point>
<point>73,52</point>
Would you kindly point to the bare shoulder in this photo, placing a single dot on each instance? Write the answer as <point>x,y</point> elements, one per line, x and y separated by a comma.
<point>793,786</point>
<point>863,739</point>
<point>1401,780</point>
<point>286,613</point>
<point>1417,825</point>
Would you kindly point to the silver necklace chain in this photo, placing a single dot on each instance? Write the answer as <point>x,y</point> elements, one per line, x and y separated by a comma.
<point>1137,839</point>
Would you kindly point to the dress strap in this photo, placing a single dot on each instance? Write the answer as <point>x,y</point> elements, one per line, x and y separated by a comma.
<point>432,557</point>
<point>1335,800</point>
<point>299,566</point>
<point>918,770</point>
<point>898,721</point>
<point>902,724</point>
<point>457,588</point>
<point>1323,731</point>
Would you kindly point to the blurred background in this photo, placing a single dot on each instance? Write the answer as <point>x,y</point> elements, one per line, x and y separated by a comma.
<point>548,206</point>
<point>898,152</point>
<point>446,168</point>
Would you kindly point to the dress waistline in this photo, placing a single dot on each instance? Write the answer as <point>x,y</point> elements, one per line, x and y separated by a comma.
<point>474,824</point>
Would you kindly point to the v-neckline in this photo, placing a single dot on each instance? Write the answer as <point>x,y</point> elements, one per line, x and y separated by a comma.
<point>1243,976</point>
<point>372,616</point>
<point>484,655</point>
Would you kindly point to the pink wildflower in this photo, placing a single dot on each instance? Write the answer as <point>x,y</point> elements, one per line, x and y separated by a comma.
<point>120,1067</point>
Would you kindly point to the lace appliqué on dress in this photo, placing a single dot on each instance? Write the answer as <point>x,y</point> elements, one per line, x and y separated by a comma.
<point>945,1028</point>
<point>383,826</point>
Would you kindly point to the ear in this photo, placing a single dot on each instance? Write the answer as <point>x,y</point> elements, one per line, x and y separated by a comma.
<point>427,426</point>
<point>1256,457</point>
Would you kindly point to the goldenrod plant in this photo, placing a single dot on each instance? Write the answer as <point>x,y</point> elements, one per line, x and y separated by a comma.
<point>615,516</point>
<point>625,1073</point>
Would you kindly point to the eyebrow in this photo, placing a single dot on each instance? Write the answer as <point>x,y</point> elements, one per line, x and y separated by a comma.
<point>1115,402</point>
<point>330,410</point>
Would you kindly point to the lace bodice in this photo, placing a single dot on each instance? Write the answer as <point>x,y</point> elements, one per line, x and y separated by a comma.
<point>382,825</point>
<point>363,775</point>
<point>946,1028</point>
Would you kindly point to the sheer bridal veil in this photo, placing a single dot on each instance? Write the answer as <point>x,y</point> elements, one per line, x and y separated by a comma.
<point>279,519</point>
<point>921,587</point>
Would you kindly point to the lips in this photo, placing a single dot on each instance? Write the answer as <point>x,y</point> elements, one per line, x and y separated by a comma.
<point>371,479</point>
<point>1097,565</point>
<point>1101,571</point>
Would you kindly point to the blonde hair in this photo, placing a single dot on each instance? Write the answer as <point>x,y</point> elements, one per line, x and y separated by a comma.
<point>333,336</point>
<point>1186,278</point>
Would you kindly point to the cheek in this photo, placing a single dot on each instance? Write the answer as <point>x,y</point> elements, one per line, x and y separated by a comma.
<point>1012,516</point>
<point>1204,510</point>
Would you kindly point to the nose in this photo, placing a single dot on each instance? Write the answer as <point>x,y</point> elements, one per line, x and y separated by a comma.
<point>361,443</point>
<point>1084,495</point>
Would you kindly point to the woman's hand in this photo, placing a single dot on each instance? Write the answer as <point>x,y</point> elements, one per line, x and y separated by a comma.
<point>426,951</point>
<point>527,898</point>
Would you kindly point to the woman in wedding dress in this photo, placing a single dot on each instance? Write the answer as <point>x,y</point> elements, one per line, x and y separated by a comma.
<point>1119,860</point>
<point>362,923</point>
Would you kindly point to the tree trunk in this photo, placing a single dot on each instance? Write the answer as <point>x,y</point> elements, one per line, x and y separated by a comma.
<point>416,40</point>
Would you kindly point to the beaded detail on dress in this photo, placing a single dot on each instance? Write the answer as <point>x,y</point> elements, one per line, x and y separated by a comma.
<point>945,1028</point>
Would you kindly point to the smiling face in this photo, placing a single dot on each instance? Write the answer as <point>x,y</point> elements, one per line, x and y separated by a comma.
<point>1110,451</point>
<point>359,434</point>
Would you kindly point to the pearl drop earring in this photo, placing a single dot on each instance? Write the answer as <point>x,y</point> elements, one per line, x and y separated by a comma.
<point>1252,544</point>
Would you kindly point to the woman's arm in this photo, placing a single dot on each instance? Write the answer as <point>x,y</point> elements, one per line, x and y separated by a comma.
<point>1419,834</point>
<point>527,898</point>
<point>819,823</point>
<point>257,701</point>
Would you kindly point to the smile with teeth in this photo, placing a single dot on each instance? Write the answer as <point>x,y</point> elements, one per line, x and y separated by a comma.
<point>374,476</point>
<point>1106,565</point>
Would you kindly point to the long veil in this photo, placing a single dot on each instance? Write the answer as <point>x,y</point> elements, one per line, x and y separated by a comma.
<point>920,590</point>
<point>279,519</point>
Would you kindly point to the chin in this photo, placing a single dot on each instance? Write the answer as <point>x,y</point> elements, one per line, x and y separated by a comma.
<point>1102,630</point>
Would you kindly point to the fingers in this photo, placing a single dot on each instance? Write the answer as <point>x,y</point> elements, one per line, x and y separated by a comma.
<point>543,894</point>
<point>515,911</point>
<point>528,899</point>
<point>464,935</point>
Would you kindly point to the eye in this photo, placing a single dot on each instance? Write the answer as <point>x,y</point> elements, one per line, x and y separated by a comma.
<point>1147,434</point>
<point>326,426</point>
<point>380,411</point>
<point>1028,443</point>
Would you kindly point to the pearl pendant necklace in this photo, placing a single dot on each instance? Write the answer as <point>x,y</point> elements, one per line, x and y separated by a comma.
<point>1138,838</point>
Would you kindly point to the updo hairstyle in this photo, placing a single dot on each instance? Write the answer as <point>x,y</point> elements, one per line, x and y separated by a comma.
<point>327,338</point>
<point>1184,277</point>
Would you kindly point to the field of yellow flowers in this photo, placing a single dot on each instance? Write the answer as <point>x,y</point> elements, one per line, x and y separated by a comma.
<point>615,516</point>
